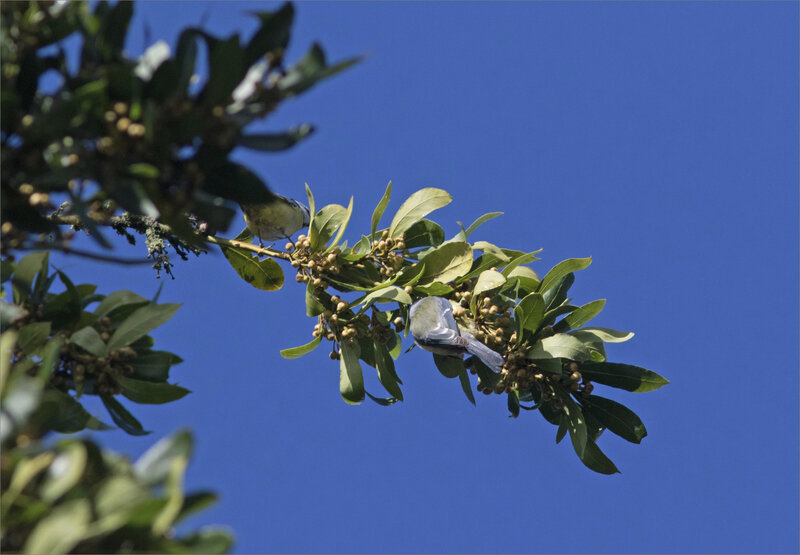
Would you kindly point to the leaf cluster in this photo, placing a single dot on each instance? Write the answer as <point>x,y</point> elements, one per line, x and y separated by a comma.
<point>147,135</point>
<point>360,297</point>
<point>78,342</point>
<point>77,497</point>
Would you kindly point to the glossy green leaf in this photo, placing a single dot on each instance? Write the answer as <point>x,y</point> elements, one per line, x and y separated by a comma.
<point>435,289</point>
<point>141,322</point>
<point>297,352</point>
<point>479,222</point>
<point>351,379</point>
<point>325,224</point>
<point>562,346</point>
<point>488,280</point>
<point>450,367</point>
<point>561,270</point>
<point>466,386</point>
<point>416,207</point>
<point>447,262</point>
<point>380,209</point>
<point>529,313</point>
<point>152,393</point>
<point>265,274</point>
<point>580,316</point>
<point>605,335</point>
<point>122,418</point>
<point>89,340</point>
<point>576,423</point>
<point>494,250</point>
<point>557,295</point>
<point>623,376</point>
<point>524,258</point>
<point>119,495</point>
<point>386,371</point>
<point>563,424</point>
<point>342,226</point>
<point>271,142</point>
<point>154,465</point>
<point>596,460</point>
<point>62,529</point>
<point>424,233</point>
<point>618,418</point>
<point>174,491</point>
<point>388,294</point>
<point>208,540</point>
<point>64,309</point>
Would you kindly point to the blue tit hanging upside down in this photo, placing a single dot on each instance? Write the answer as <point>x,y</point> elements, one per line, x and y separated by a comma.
<point>280,218</point>
<point>435,329</point>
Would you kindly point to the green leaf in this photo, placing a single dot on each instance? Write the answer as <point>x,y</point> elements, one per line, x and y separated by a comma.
<point>512,401</point>
<point>596,460</point>
<point>271,142</point>
<point>208,540</point>
<point>424,233</point>
<point>576,423</point>
<point>325,224</point>
<point>60,412</point>
<point>89,340</point>
<point>623,376</point>
<point>174,491</point>
<point>450,367</point>
<point>489,248</point>
<point>488,280</point>
<point>528,314</point>
<point>618,418</point>
<point>522,280</point>
<point>580,316</point>
<point>226,69</point>
<point>562,345</point>
<point>154,465</point>
<point>391,293</point>
<point>272,34</point>
<point>563,424</point>
<point>62,529</point>
<point>309,70</point>
<point>153,365</point>
<point>447,262</point>
<point>524,258</point>
<point>297,352</point>
<point>141,322</point>
<point>557,295</point>
<point>265,274</point>
<point>386,372</point>
<point>117,299</point>
<point>313,306</point>
<point>122,417</point>
<point>33,336</point>
<point>65,472</point>
<point>416,207</point>
<point>351,380</point>
<point>466,386</point>
<point>560,271</point>
<point>435,289</point>
<point>151,393</point>
<point>480,221</point>
<point>33,264</point>
<point>606,335</point>
<point>380,209</point>
<point>342,226</point>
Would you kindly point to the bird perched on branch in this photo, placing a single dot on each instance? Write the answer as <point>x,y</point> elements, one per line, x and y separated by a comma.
<point>279,218</point>
<point>435,329</point>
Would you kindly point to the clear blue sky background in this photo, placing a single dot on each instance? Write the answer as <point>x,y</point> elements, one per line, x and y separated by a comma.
<point>659,138</point>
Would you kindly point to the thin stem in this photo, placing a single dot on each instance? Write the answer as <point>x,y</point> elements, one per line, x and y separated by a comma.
<point>247,246</point>
<point>85,254</point>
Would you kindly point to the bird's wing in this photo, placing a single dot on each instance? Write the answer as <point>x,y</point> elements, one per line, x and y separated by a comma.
<point>440,335</point>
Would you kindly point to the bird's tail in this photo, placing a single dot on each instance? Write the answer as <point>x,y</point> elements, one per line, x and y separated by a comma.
<point>490,358</point>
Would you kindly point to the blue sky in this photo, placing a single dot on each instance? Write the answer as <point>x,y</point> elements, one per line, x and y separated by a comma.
<point>659,138</point>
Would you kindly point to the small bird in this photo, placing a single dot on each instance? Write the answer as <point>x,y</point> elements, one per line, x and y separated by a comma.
<point>435,329</point>
<point>280,218</point>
